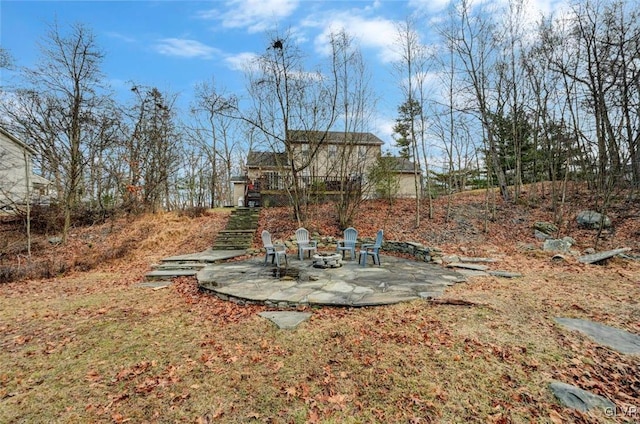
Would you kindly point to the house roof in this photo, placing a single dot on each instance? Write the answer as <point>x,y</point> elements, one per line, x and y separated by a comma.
<point>17,141</point>
<point>266,159</point>
<point>400,164</point>
<point>335,137</point>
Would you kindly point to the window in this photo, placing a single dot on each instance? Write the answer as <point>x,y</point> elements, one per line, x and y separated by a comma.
<point>333,150</point>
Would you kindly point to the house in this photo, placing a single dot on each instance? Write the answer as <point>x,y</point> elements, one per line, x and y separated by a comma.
<point>17,180</point>
<point>405,174</point>
<point>327,162</point>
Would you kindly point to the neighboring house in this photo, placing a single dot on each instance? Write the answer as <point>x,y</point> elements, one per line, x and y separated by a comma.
<point>16,177</point>
<point>406,177</point>
<point>341,160</point>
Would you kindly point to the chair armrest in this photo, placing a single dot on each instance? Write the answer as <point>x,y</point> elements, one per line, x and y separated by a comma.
<point>367,246</point>
<point>313,243</point>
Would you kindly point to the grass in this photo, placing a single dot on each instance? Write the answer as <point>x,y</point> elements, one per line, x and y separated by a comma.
<point>94,347</point>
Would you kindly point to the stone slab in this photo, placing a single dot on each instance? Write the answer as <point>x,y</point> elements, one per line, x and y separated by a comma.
<point>601,256</point>
<point>615,338</point>
<point>155,284</point>
<point>161,274</point>
<point>286,320</point>
<point>165,266</point>
<point>375,299</point>
<point>207,256</point>
<point>397,280</point>
<point>576,398</point>
<point>473,267</point>
<point>472,273</point>
<point>505,274</point>
<point>339,286</point>
<point>472,260</point>
<point>293,295</point>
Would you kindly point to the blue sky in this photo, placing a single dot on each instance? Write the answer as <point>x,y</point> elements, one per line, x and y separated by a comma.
<point>175,44</point>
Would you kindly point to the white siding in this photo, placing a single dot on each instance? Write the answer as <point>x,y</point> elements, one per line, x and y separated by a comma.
<point>13,181</point>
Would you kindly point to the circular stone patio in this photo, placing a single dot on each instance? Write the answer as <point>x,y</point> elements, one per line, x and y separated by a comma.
<point>397,280</point>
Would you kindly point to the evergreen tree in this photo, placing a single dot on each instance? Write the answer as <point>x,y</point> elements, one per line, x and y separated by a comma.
<point>408,112</point>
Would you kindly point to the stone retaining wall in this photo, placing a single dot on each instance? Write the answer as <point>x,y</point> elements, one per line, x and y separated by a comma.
<point>417,250</point>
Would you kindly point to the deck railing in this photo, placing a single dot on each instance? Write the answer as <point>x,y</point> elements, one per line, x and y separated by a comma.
<point>318,184</point>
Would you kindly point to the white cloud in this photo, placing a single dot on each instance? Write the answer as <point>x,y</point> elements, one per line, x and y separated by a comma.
<point>374,33</point>
<point>185,48</point>
<point>121,37</point>
<point>383,128</point>
<point>428,5</point>
<point>241,61</point>
<point>254,15</point>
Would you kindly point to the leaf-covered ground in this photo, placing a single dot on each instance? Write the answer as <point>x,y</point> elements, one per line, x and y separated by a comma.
<point>91,346</point>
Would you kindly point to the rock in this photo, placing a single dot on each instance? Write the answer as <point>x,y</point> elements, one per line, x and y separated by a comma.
<point>615,338</point>
<point>55,240</point>
<point>558,258</point>
<point>545,227</point>
<point>284,319</point>
<point>556,245</point>
<point>505,274</point>
<point>473,267</point>
<point>592,219</point>
<point>468,259</point>
<point>597,257</point>
<point>569,240</point>
<point>576,398</point>
<point>589,251</point>
<point>527,247</point>
<point>541,236</point>
<point>450,258</point>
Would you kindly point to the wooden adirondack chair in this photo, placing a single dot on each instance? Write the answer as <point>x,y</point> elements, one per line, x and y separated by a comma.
<point>349,243</point>
<point>371,249</point>
<point>304,243</point>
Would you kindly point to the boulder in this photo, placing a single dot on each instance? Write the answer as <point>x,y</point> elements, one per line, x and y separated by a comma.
<point>601,256</point>
<point>576,398</point>
<point>541,235</point>
<point>615,338</point>
<point>592,219</point>
<point>545,227</point>
<point>55,240</point>
<point>556,245</point>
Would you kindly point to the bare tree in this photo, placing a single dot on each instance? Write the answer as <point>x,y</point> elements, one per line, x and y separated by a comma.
<point>62,96</point>
<point>475,43</point>
<point>355,102</point>
<point>410,125</point>
<point>151,149</point>
<point>286,97</point>
<point>217,134</point>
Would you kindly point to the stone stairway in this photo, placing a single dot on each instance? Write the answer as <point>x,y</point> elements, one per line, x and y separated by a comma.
<point>233,241</point>
<point>239,231</point>
<point>186,265</point>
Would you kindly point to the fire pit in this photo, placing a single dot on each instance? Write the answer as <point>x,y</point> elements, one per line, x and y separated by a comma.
<point>327,260</point>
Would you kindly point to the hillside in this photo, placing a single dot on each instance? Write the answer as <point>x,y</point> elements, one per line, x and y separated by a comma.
<point>87,344</point>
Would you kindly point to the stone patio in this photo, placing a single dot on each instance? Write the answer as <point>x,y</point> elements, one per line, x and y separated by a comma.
<point>397,280</point>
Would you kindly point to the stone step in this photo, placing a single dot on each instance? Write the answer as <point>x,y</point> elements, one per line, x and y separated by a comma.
<point>247,231</point>
<point>235,235</point>
<point>169,274</point>
<point>170,265</point>
<point>230,245</point>
<point>219,242</point>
